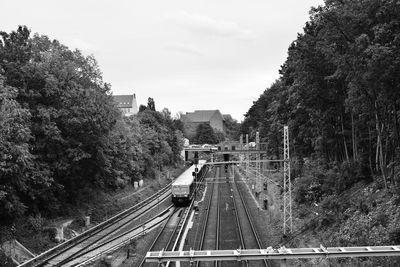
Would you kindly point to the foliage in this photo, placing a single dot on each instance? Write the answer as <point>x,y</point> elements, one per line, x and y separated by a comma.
<point>232,128</point>
<point>219,136</point>
<point>5,261</point>
<point>339,94</point>
<point>339,88</point>
<point>142,108</point>
<point>62,138</point>
<point>205,134</point>
<point>160,137</point>
<point>16,161</point>
<point>150,104</point>
<point>72,113</point>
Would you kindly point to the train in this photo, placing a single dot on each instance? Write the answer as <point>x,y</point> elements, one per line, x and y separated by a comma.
<point>183,187</point>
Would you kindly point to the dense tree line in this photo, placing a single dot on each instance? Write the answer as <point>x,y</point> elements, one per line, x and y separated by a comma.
<point>339,93</point>
<point>61,135</point>
<point>339,89</point>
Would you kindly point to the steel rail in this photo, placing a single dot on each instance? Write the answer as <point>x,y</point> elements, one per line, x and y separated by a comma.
<point>216,264</point>
<point>152,245</point>
<point>257,237</point>
<point>185,219</point>
<point>205,220</point>
<point>117,246</point>
<point>182,224</point>
<point>178,226</point>
<point>238,223</point>
<point>59,249</point>
<point>83,251</point>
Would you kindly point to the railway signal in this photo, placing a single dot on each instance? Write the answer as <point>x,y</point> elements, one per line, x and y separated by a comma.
<point>226,159</point>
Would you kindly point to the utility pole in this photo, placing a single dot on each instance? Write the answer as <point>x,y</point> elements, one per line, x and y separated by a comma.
<point>258,169</point>
<point>241,148</point>
<point>287,188</point>
<point>247,156</point>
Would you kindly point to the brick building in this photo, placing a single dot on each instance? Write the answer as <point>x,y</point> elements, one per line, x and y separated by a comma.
<point>192,119</point>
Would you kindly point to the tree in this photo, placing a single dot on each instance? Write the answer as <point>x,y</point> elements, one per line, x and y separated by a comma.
<point>142,108</point>
<point>339,87</point>
<point>72,114</point>
<point>62,139</point>
<point>232,128</point>
<point>205,134</point>
<point>16,161</point>
<point>150,104</point>
<point>160,137</point>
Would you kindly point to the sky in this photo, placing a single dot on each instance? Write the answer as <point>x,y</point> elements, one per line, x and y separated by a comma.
<point>187,55</point>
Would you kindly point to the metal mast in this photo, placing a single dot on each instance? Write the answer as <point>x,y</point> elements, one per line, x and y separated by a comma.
<point>258,170</point>
<point>241,148</point>
<point>247,157</point>
<point>287,188</point>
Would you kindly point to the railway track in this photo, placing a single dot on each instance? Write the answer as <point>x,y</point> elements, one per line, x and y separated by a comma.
<point>100,234</point>
<point>226,221</point>
<point>95,251</point>
<point>229,231</point>
<point>208,236</point>
<point>171,234</point>
<point>248,233</point>
<point>164,236</point>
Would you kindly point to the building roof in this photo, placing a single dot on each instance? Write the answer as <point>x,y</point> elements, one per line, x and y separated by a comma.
<point>124,101</point>
<point>201,115</point>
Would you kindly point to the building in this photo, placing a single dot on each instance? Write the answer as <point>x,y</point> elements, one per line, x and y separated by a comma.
<point>192,119</point>
<point>126,104</point>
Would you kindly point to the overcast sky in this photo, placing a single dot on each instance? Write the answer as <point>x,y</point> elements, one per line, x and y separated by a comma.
<point>187,55</point>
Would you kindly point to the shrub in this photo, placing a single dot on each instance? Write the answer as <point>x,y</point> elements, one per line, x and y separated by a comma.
<point>36,222</point>
<point>394,236</point>
<point>5,261</point>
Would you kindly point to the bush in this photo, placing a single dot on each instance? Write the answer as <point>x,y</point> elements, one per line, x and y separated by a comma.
<point>394,236</point>
<point>381,219</point>
<point>36,222</point>
<point>5,261</point>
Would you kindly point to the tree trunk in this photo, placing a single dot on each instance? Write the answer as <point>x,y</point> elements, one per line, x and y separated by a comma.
<point>353,135</point>
<point>382,164</point>
<point>370,150</point>
<point>344,140</point>
<point>396,125</point>
<point>377,153</point>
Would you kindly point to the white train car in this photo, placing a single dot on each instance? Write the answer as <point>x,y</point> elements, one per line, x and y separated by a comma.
<point>183,186</point>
